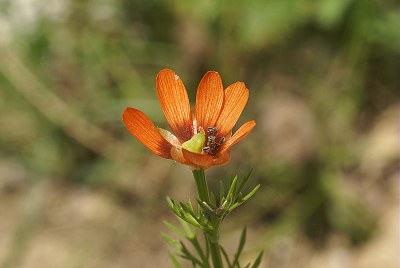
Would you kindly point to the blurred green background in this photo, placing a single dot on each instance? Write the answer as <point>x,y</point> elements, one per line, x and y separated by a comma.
<point>77,190</point>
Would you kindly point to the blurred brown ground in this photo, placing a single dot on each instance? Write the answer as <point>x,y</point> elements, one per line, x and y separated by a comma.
<point>76,190</point>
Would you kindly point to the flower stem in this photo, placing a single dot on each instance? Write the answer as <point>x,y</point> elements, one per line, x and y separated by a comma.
<point>215,254</point>
<point>201,184</point>
<point>204,196</point>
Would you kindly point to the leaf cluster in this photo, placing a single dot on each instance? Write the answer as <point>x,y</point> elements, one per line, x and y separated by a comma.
<point>208,218</point>
<point>200,256</point>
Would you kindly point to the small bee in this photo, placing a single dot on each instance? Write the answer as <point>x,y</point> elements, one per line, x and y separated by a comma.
<point>206,149</point>
<point>212,147</point>
<point>212,131</point>
<point>210,138</point>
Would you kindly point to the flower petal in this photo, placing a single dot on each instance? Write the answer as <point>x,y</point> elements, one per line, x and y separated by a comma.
<point>209,99</point>
<point>223,159</point>
<point>236,96</point>
<point>205,161</point>
<point>197,159</point>
<point>177,155</point>
<point>238,136</point>
<point>195,128</point>
<point>174,103</point>
<point>140,126</point>
<point>169,137</point>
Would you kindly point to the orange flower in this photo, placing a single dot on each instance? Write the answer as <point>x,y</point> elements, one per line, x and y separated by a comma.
<point>199,138</point>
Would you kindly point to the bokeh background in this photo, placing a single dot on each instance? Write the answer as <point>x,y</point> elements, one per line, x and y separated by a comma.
<point>77,190</point>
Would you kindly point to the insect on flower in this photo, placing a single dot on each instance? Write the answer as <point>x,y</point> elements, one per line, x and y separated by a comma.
<point>200,137</point>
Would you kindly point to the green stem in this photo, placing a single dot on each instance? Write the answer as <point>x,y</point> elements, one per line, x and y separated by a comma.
<point>215,254</point>
<point>204,195</point>
<point>201,184</point>
<point>199,250</point>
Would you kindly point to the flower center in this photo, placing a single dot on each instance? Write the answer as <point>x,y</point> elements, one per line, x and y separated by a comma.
<point>212,145</point>
<point>196,143</point>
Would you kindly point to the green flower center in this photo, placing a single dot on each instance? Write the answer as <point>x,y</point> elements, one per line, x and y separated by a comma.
<point>196,143</point>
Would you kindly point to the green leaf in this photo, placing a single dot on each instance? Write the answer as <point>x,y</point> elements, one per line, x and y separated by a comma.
<point>170,202</point>
<point>188,229</point>
<point>258,260</point>
<point>188,208</point>
<point>174,260</point>
<point>197,247</point>
<point>174,229</point>
<point>244,198</point>
<point>184,211</point>
<point>232,189</point>
<point>226,257</point>
<point>172,242</point>
<point>187,255</point>
<point>213,202</point>
<point>244,181</point>
<point>251,193</point>
<point>241,246</point>
<point>174,207</point>
<point>194,261</point>
<point>193,221</point>
<point>221,192</point>
<point>189,205</point>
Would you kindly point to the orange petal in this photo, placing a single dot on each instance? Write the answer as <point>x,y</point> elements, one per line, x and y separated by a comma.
<point>195,128</point>
<point>238,136</point>
<point>177,155</point>
<point>236,96</point>
<point>205,161</point>
<point>209,99</point>
<point>174,104</point>
<point>197,159</point>
<point>169,137</point>
<point>223,159</point>
<point>140,126</point>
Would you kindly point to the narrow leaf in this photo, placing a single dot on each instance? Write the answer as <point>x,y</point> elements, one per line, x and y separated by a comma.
<point>188,209</point>
<point>188,218</point>
<point>188,229</point>
<point>232,190</point>
<point>226,257</point>
<point>174,229</point>
<point>174,260</point>
<point>170,202</point>
<point>251,193</point>
<point>241,246</point>
<point>191,206</point>
<point>258,260</point>
<point>221,192</point>
<point>244,198</point>
<point>188,255</point>
<point>213,201</point>
<point>199,250</point>
<point>172,242</point>
<point>193,260</point>
<point>245,180</point>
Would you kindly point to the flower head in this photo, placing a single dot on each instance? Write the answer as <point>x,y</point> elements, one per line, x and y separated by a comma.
<point>200,137</point>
